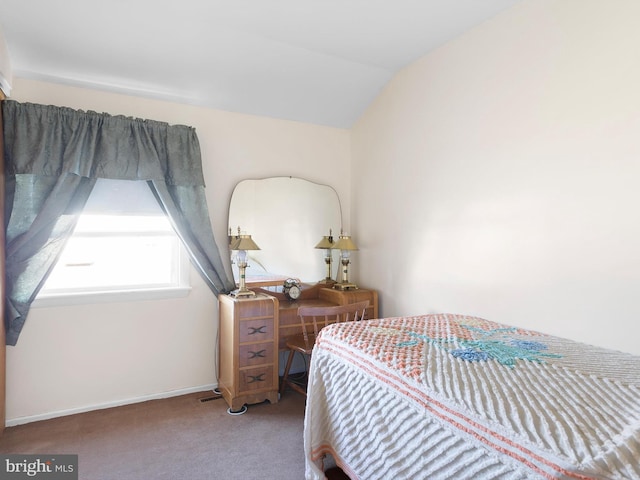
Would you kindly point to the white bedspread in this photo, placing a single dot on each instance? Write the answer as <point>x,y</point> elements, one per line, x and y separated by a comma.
<point>449,396</point>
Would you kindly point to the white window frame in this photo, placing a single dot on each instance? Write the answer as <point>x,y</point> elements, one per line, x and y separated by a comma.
<point>178,286</point>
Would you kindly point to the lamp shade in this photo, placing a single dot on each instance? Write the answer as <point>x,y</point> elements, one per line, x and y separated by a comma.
<point>244,242</point>
<point>325,243</point>
<point>345,243</point>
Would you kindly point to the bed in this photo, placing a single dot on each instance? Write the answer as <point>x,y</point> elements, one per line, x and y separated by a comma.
<point>458,397</point>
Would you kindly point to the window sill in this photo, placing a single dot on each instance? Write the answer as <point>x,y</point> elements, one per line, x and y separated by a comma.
<point>113,296</point>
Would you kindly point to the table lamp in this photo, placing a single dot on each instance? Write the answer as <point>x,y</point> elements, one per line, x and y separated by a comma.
<point>241,244</point>
<point>345,245</point>
<point>327,245</point>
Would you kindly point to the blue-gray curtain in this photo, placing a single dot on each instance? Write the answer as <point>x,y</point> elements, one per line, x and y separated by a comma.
<point>53,156</point>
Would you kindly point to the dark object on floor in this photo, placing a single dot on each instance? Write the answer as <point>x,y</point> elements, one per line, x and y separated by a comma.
<point>336,473</point>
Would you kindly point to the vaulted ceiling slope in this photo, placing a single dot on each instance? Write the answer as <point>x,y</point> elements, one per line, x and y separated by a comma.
<point>316,61</point>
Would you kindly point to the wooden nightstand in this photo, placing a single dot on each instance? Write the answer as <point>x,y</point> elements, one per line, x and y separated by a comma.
<point>248,350</point>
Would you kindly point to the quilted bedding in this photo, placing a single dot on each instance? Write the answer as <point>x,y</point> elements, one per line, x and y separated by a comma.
<point>452,396</point>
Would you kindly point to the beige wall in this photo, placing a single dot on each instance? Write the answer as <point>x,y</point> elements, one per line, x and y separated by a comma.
<point>73,358</point>
<point>498,176</point>
<point>6,72</point>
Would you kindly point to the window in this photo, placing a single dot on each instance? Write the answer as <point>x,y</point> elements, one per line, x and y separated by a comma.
<point>123,248</point>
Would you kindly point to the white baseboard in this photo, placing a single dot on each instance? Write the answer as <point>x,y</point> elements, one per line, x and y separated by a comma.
<point>12,422</point>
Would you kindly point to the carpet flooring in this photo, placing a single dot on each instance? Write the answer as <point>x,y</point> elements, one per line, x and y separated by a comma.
<point>174,439</point>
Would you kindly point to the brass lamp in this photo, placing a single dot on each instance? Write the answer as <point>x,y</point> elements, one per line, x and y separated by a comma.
<point>327,245</point>
<point>242,243</point>
<point>345,245</point>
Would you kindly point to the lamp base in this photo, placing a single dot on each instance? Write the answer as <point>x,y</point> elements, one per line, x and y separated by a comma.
<point>327,281</point>
<point>239,293</point>
<point>345,286</point>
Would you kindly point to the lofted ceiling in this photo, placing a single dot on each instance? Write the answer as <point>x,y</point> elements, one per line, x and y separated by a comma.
<point>316,61</point>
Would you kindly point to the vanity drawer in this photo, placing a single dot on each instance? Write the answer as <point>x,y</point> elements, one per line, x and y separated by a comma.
<point>257,330</point>
<point>255,354</point>
<point>258,378</point>
<point>256,307</point>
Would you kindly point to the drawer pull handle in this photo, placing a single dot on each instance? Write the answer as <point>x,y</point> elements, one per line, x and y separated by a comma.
<point>254,330</point>
<point>256,378</point>
<point>261,354</point>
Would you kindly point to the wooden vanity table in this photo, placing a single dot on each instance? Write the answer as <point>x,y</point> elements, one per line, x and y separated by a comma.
<point>254,329</point>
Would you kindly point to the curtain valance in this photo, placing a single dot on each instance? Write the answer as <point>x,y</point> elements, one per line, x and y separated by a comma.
<point>50,141</point>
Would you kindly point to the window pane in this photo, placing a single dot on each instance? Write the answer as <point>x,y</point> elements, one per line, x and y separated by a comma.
<point>117,252</point>
<point>88,224</point>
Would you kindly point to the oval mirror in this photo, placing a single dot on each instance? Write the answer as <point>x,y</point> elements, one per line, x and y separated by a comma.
<point>286,217</point>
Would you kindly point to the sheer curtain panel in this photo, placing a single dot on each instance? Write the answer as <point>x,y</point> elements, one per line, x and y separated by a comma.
<point>53,156</point>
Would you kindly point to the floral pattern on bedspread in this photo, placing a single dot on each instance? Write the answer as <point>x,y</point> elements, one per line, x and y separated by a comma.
<point>493,344</point>
<point>471,339</point>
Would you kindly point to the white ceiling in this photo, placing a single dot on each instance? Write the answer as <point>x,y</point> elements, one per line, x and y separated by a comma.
<point>317,61</point>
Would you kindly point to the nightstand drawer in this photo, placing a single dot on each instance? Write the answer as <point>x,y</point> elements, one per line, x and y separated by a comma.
<point>257,330</point>
<point>256,378</point>
<point>255,354</point>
